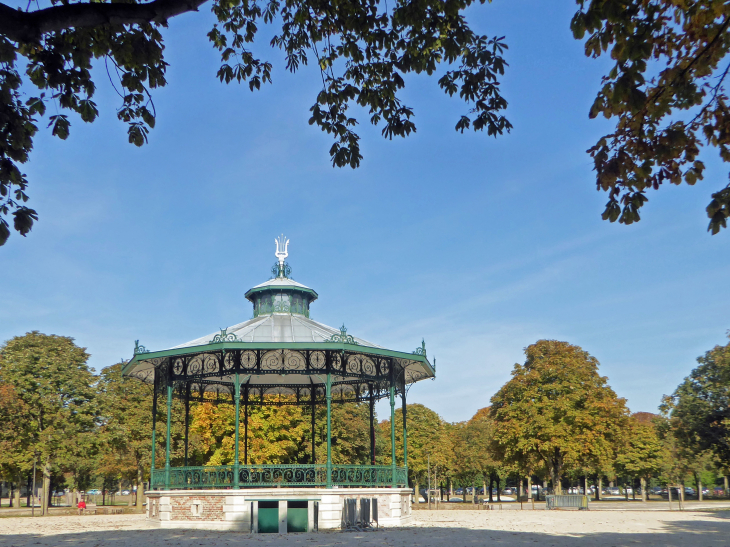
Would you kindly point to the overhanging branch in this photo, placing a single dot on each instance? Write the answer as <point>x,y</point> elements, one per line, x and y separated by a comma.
<point>21,26</point>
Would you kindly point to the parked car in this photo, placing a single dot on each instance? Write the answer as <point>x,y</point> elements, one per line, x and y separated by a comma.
<point>657,490</point>
<point>125,492</point>
<point>94,492</point>
<point>612,491</point>
<point>459,491</point>
<point>508,491</point>
<point>718,491</point>
<point>628,490</point>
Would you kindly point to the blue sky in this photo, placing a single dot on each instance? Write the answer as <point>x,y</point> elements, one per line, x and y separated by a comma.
<point>479,245</point>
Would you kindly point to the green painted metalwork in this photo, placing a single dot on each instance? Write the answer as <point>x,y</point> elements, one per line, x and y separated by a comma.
<point>421,350</point>
<point>297,516</point>
<point>167,441</point>
<point>268,517</point>
<point>343,337</point>
<point>328,396</point>
<point>280,302</point>
<point>154,429</point>
<point>282,475</point>
<point>224,336</point>
<point>281,269</point>
<point>299,346</point>
<point>392,429</point>
<point>236,462</point>
<point>405,432</point>
<point>139,349</point>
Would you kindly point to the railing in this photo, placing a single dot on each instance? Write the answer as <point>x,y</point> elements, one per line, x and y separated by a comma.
<point>567,500</point>
<point>278,475</point>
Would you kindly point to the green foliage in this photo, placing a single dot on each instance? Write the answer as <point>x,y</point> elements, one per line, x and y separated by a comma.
<point>50,377</point>
<point>643,454</point>
<point>126,427</point>
<point>473,449</point>
<point>363,51</point>
<point>428,436</point>
<point>666,89</point>
<point>699,409</point>
<point>556,408</point>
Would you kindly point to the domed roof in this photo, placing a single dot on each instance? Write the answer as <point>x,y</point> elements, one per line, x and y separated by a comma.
<point>282,349</point>
<point>278,327</point>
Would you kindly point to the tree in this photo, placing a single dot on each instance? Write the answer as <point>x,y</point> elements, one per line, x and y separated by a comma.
<point>558,409</point>
<point>50,376</point>
<point>699,409</point>
<point>642,456</point>
<point>428,440</point>
<point>474,456</point>
<point>126,431</point>
<point>667,91</point>
<point>363,50</point>
<point>15,438</point>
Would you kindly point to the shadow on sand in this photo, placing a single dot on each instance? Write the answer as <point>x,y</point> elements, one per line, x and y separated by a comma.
<point>713,530</point>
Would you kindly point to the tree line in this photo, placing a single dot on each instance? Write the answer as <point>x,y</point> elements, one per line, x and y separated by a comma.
<point>556,421</point>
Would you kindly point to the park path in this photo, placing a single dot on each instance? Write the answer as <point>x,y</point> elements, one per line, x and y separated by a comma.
<point>430,529</point>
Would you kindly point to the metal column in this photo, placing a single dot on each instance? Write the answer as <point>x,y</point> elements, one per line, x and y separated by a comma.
<point>187,419</point>
<point>169,436</point>
<point>392,426</point>
<point>245,425</point>
<point>372,425</point>
<point>236,463</point>
<point>314,424</point>
<point>405,431</point>
<point>328,395</point>
<point>154,426</point>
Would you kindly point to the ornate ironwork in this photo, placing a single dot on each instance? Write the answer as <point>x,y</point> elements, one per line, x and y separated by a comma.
<point>139,349</point>
<point>342,337</point>
<point>421,350</point>
<point>224,336</point>
<point>281,270</point>
<point>222,476</point>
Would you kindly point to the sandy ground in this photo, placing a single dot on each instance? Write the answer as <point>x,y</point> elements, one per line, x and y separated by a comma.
<point>430,529</point>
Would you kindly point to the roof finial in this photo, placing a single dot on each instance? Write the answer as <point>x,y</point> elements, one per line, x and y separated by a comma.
<point>282,246</point>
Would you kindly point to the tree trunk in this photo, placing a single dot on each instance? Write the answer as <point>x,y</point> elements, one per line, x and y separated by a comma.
<point>529,487</point>
<point>633,488</point>
<point>599,488</point>
<point>491,480</point>
<point>140,488</point>
<point>724,480</point>
<point>669,494</point>
<point>699,490</point>
<point>499,490</point>
<point>30,491</point>
<point>642,481</point>
<point>681,495</point>
<point>46,493</point>
<point>16,502</point>
<point>555,478</point>
<point>485,487</point>
<point>520,492</point>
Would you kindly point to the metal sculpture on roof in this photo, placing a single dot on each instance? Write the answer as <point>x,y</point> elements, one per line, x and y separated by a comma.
<point>282,244</point>
<point>280,357</point>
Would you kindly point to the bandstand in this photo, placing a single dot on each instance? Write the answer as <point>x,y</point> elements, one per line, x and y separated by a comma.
<point>279,357</point>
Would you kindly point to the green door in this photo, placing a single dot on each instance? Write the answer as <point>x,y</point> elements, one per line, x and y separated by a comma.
<point>268,517</point>
<point>297,513</point>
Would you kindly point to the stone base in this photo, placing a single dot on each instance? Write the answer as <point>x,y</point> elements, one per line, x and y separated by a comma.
<point>232,509</point>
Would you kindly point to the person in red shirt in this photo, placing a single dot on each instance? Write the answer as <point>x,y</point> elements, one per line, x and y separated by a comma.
<point>81,506</point>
